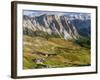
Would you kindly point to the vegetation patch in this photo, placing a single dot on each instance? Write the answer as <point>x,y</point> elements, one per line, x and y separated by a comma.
<point>55,52</point>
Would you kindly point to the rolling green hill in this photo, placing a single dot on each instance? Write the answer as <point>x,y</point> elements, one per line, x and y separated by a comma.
<point>41,52</point>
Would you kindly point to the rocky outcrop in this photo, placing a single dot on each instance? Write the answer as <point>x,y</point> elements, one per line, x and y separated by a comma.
<point>51,24</point>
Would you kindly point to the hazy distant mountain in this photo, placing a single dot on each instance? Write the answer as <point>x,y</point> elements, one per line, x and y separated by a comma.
<point>79,16</point>
<point>66,26</point>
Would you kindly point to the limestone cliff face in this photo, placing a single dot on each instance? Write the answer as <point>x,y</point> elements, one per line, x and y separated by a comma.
<point>51,24</point>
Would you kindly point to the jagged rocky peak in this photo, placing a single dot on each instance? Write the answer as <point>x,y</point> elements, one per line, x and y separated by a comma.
<point>51,24</point>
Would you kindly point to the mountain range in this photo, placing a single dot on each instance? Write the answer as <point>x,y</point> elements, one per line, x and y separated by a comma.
<point>65,26</point>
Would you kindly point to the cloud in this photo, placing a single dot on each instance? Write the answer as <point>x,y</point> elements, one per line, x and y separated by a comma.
<point>38,13</point>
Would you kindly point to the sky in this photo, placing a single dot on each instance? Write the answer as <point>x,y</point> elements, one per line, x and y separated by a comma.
<point>37,13</point>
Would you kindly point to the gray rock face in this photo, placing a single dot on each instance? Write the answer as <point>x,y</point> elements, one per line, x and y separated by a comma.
<point>51,24</point>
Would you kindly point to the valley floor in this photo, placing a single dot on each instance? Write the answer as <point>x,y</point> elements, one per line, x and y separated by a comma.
<point>53,53</point>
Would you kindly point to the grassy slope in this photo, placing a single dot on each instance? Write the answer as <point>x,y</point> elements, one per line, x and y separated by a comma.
<point>67,52</point>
